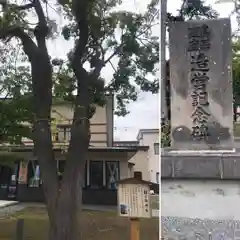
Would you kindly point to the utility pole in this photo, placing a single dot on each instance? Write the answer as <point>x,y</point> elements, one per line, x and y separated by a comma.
<point>163,21</point>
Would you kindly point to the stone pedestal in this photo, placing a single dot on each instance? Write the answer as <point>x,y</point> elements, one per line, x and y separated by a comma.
<point>200,165</point>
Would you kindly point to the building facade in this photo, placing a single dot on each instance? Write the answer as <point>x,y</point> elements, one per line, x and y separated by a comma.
<point>151,166</point>
<point>147,159</point>
<point>106,164</point>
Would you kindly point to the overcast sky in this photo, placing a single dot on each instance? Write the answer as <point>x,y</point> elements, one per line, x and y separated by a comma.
<point>145,112</point>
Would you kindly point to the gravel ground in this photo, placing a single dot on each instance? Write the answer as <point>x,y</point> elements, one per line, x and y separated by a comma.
<point>174,228</point>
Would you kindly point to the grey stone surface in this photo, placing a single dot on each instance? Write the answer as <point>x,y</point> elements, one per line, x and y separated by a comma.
<point>166,167</point>
<point>218,87</point>
<point>231,167</point>
<point>200,166</point>
<point>191,166</point>
<point>176,228</point>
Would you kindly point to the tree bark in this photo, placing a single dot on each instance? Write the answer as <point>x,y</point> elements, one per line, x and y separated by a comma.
<point>64,220</point>
<point>64,223</point>
<point>63,200</point>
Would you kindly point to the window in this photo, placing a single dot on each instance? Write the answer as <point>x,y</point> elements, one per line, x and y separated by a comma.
<point>96,174</point>
<point>63,133</point>
<point>156,148</point>
<point>157,177</point>
<point>5,174</point>
<point>112,174</point>
<point>33,174</point>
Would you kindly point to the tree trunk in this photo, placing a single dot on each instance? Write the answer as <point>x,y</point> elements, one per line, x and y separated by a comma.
<point>63,200</point>
<point>64,219</point>
<point>64,224</point>
<point>64,216</point>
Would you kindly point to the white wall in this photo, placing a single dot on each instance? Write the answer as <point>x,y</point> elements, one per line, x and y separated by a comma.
<point>141,161</point>
<point>148,139</point>
<point>215,200</point>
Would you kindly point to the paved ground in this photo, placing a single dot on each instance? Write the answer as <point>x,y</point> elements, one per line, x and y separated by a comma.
<point>174,228</point>
<point>9,210</point>
<point>8,207</point>
<point>6,203</point>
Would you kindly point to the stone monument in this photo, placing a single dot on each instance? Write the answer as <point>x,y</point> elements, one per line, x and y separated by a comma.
<point>201,103</point>
<point>201,116</point>
<point>201,85</point>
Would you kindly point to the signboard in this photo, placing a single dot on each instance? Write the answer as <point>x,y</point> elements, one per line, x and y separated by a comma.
<point>133,200</point>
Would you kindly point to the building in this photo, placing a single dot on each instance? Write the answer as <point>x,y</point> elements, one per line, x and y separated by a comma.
<point>150,167</point>
<point>146,160</point>
<point>106,164</point>
<point>138,162</point>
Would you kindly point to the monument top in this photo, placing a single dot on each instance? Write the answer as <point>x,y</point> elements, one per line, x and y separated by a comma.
<point>201,85</point>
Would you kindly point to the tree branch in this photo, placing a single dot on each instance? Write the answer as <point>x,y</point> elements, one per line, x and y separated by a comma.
<point>121,45</point>
<point>80,12</point>
<point>42,30</point>
<point>29,46</point>
<point>99,64</point>
<point>181,11</point>
<point>17,7</point>
<point>80,126</point>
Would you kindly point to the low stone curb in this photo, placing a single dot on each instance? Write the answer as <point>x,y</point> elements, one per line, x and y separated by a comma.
<point>224,166</point>
<point>9,204</point>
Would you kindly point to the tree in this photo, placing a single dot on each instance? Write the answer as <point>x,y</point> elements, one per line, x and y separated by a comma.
<point>92,25</point>
<point>193,10</point>
<point>16,108</point>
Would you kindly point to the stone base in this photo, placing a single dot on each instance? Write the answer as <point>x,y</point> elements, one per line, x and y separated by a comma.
<point>213,165</point>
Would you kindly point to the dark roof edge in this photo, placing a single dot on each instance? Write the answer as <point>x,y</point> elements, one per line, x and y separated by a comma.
<point>90,149</point>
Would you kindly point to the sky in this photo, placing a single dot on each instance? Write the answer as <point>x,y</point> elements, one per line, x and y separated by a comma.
<point>145,112</point>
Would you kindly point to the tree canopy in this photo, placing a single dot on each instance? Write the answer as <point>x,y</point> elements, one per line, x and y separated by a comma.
<point>118,39</point>
<point>193,10</point>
